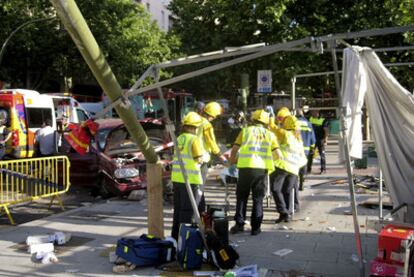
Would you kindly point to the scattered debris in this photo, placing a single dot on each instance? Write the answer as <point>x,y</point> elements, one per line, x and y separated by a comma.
<point>32,240</point>
<point>137,195</point>
<point>247,271</point>
<point>354,258</point>
<point>86,204</point>
<point>373,204</point>
<point>334,181</point>
<point>122,268</point>
<point>331,229</point>
<point>306,218</point>
<point>282,252</point>
<point>347,212</point>
<point>49,258</point>
<point>282,227</point>
<point>61,238</point>
<point>240,241</point>
<point>41,248</point>
<point>112,257</point>
<point>287,236</point>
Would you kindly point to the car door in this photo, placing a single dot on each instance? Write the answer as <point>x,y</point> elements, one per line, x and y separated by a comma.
<point>83,168</point>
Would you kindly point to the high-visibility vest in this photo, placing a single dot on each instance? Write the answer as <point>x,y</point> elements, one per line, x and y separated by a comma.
<point>305,129</point>
<point>204,147</point>
<point>303,126</point>
<point>255,150</point>
<point>316,121</point>
<point>185,142</point>
<point>293,155</point>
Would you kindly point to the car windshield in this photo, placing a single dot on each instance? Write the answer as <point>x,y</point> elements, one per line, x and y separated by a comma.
<point>102,134</point>
<point>119,142</point>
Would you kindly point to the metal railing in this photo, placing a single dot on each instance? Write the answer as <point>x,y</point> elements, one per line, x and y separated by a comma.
<point>25,180</point>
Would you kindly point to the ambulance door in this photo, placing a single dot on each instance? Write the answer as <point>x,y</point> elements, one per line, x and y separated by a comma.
<point>38,110</point>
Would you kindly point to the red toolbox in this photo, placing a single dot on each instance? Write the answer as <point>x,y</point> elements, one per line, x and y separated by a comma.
<point>391,243</point>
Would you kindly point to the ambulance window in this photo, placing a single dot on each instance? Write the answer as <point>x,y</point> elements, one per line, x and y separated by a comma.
<point>82,116</point>
<point>36,116</point>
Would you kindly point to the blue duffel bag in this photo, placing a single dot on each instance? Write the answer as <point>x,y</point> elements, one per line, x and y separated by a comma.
<point>190,247</point>
<point>146,250</point>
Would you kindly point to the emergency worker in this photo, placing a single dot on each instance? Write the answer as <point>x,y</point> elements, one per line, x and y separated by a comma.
<point>287,166</point>
<point>308,138</point>
<point>5,135</point>
<point>256,147</point>
<point>208,141</point>
<point>281,114</point>
<point>191,153</point>
<point>199,107</point>
<point>320,126</point>
<point>276,123</point>
<point>45,139</point>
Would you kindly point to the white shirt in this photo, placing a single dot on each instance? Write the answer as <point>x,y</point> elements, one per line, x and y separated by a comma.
<point>46,139</point>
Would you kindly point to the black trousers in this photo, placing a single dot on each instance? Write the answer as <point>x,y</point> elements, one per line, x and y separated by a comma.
<point>302,173</point>
<point>183,211</point>
<point>250,179</point>
<point>282,184</point>
<point>321,149</point>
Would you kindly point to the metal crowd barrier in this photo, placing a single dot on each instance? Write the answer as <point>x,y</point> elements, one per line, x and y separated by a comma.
<point>25,180</point>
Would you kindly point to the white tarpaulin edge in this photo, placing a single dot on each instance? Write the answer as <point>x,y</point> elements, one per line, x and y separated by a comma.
<point>391,112</point>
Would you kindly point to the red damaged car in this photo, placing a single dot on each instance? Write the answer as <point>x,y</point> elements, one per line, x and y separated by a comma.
<point>114,164</point>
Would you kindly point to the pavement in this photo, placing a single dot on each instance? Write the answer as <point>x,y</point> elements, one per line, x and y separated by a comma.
<point>320,240</point>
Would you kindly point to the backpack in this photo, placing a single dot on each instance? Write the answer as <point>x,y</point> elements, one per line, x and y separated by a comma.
<point>190,247</point>
<point>145,250</point>
<point>223,256</point>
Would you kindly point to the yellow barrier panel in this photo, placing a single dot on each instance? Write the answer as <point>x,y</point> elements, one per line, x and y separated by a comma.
<point>25,180</point>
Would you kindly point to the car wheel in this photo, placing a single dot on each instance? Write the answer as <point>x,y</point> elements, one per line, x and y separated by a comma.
<point>103,186</point>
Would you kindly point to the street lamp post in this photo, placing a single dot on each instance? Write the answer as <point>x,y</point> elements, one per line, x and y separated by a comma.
<point>3,48</point>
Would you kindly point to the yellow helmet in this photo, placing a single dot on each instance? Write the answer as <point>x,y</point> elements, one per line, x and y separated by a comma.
<point>290,123</point>
<point>261,116</point>
<point>283,112</point>
<point>192,119</point>
<point>213,109</point>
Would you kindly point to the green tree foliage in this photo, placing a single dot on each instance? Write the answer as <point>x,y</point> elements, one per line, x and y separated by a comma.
<point>42,54</point>
<point>215,24</point>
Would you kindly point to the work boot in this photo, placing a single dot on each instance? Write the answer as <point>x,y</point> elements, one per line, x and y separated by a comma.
<point>237,229</point>
<point>323,171</point>
<point>301,188</point>
<point>282,218</point>
<point>255,232</point>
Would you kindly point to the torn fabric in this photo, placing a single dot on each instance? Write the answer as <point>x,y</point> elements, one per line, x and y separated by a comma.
<point>391,112</point>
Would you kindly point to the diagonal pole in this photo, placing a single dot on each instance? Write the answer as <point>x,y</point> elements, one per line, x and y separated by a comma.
<point>348,162</point>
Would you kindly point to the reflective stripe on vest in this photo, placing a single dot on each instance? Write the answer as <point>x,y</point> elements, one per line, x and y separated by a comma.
<point>185,142</point>
<point>303,126</point>
<point>204,147</point>
<point>255,149</point>
<point>293,155</point>
<point>316,121</point>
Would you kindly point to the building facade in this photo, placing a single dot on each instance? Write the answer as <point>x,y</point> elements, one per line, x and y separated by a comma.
<point>159,12</point>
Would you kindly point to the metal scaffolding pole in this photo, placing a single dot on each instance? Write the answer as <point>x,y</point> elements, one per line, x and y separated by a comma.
<point>348,163</point>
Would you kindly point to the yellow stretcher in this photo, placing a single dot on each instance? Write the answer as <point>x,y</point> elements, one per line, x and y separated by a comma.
<point>25,180</point>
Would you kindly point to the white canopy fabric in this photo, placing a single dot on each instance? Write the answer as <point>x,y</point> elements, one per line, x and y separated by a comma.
<point>391,112</point>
